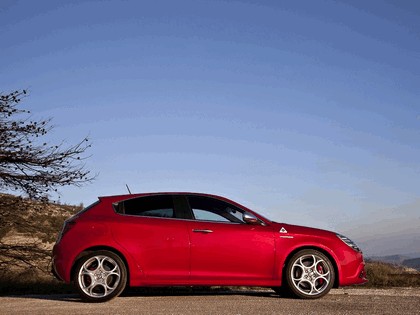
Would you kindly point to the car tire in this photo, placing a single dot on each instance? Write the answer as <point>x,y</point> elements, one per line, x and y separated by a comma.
<point>309,274</point>
<point>100,276</point>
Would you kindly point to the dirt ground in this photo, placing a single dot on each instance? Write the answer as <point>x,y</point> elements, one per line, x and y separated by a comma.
<point>339,301</point>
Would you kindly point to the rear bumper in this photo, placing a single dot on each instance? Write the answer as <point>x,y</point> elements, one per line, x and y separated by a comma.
<point>54,271</point>
<point>60,264</point>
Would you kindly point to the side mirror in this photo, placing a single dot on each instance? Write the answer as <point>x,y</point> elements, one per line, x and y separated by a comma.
<point>250,218</point>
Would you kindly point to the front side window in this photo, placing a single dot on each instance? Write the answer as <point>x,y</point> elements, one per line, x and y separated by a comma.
<point>151,206</point>
<point>209,209</point>
<point>205,215</point>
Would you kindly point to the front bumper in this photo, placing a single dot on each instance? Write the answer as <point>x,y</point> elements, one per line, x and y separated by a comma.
<point>358,277</point>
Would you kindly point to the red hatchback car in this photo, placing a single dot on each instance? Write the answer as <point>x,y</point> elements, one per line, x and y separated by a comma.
<point>188,239</point>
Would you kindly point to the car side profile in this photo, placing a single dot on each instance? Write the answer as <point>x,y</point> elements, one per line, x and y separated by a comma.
<point>191,239</point>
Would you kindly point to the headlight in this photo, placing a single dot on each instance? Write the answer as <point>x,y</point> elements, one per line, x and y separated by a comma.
<point>349,242</point>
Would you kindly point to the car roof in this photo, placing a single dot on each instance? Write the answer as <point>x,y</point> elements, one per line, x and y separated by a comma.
<point>116,198</point>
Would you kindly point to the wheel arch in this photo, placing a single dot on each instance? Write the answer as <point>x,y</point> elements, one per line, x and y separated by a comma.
<point>320,249</point>
<point>97,248</point>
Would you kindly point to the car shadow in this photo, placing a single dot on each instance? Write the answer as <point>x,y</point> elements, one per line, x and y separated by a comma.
<point>166,291</point>
<point>199,291</point>
<point>67,297</point>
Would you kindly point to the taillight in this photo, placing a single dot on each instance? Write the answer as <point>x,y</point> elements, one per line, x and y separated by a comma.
<point>68,224</point>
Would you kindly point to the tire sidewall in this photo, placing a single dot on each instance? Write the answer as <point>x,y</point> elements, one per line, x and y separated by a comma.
<point>122,282</point>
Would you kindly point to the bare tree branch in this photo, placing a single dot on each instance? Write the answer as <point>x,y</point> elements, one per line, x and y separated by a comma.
<point>30,165</point>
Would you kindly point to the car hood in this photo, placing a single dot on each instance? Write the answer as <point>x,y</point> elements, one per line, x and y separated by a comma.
<point>291,229</point>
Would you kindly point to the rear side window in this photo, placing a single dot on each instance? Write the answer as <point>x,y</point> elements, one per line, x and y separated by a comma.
<point>151,206</point>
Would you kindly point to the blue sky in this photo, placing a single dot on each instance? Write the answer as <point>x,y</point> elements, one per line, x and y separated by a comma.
<point>306,111</point>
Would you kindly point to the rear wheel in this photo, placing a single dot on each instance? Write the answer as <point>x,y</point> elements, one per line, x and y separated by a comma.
<point>309,274</point>
<point>100,276</point>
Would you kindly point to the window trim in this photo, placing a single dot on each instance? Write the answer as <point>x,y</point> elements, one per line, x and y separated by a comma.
<point>188,211</point>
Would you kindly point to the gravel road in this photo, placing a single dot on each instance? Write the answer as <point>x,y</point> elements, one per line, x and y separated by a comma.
<point>258,301</point>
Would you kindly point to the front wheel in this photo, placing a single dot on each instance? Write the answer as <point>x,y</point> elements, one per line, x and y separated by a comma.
<point>100,276</point>
<point>309,274</point>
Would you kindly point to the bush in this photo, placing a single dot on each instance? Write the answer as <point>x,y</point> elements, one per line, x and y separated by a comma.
<point>382,274</point>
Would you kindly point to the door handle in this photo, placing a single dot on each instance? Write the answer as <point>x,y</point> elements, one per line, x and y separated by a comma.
<point>202,231</point>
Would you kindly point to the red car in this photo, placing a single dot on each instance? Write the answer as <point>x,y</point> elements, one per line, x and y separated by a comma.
<point>188,239</point>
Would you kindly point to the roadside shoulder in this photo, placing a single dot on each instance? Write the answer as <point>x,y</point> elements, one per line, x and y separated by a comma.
<point>393,291</point>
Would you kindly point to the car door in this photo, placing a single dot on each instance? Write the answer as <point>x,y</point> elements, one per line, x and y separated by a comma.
<point>152,232</point>
<point>224,249</point>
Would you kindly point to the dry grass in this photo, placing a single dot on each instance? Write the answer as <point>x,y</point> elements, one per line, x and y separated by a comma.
<point>387,275</point>
<point>28,230</point>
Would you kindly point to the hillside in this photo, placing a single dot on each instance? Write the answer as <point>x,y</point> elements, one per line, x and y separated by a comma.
<point>28,230</point>
<point>398,260</point>
<point>391,259</point>
<point>412,263</point>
